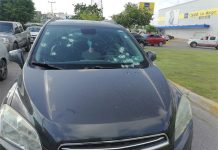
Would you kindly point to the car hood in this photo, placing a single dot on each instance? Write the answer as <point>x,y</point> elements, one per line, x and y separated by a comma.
<point>4,34</point>
<point>82,104</point>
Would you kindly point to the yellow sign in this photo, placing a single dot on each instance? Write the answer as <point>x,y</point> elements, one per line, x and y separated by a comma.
<point>204,13</point>
<point>147,5</point>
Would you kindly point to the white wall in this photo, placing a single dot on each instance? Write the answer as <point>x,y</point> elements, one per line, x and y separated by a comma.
<point>189,7</point>
<point>187,33</point>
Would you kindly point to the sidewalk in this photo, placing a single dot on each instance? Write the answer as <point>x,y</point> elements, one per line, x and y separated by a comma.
<point>200,101</point>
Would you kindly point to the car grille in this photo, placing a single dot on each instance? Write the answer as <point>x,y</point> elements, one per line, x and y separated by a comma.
<point>140,143</point>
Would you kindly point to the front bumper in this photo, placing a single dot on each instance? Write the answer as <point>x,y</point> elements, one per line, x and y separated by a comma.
<point>184,142</point>
<point>4,145</point>
<point>8,46</point>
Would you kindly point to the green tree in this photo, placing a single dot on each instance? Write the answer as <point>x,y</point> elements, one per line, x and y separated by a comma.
<point>87,12</point>
<point>37,18</point>
<point>150,29</point>
<point>17,10</point>
<point>133,16</point>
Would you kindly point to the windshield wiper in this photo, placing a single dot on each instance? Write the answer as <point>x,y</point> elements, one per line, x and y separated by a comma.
<point>47,66</point>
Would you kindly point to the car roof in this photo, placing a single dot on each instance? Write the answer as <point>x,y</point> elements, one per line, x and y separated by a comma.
<point>8,22</point>
<point>85,23</point>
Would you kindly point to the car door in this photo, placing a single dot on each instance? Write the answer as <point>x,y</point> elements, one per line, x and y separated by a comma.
<point>3,51</point>
<point>212,42</point>
<point>203,41</point>
<point>22,35</point>
<point>157,39</point>
<point>150,39</point>
<point>17,34</point>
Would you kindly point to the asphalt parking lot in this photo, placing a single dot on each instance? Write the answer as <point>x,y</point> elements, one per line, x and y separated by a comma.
<point>205,124</point>
<point>183,44</point>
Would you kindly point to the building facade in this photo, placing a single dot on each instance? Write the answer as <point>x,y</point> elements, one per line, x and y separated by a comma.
<point>192,19</point>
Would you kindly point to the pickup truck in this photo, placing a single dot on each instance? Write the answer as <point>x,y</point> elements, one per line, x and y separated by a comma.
<point>207,41</point>
<point>13,36</point>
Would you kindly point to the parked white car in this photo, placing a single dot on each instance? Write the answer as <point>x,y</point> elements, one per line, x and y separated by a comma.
<point>207,41</point>
<point>3,62</point>
<point>34,31</point>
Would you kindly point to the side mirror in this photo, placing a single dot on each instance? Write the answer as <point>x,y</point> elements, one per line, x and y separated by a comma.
<point>17,57</point>
<point>151,55</point>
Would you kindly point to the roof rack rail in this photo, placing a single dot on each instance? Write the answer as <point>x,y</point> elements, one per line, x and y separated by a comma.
<point>51,20</point>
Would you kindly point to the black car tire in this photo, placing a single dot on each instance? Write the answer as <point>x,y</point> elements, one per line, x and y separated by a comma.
<point>216,47</point>
<point>193,44</point>
<point>28,46</point>
<point>15,46</point>
<point>3,70</point>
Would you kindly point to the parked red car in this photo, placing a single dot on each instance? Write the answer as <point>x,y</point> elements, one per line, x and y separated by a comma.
<point>155,40</point>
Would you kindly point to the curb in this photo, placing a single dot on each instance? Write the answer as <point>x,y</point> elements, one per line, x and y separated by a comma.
<point>201,101</point>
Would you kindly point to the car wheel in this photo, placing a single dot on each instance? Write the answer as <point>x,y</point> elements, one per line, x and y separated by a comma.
<point>142,45</point>
<point>193,44</point>
<point>160,44</point>
<point>3,70</point>
<point>28,46</point>
<point>15,46</point>
<point>216,47</point>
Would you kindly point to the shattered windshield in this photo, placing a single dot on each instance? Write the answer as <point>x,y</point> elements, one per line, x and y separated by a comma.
<point>76,47</point>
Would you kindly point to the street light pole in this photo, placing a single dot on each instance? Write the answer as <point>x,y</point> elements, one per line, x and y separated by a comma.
<point>51,2</point>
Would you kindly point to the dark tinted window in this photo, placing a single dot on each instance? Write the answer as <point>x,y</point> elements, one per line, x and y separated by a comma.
<point>75,46</point>
<point>212,38</point>
<point>20,27</point>
<point>6,27</point>
<point>34,29</point>
<point>137,36</point>
<point>157,36</point>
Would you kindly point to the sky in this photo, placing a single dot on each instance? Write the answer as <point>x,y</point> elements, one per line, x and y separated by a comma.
<point>111,7</point>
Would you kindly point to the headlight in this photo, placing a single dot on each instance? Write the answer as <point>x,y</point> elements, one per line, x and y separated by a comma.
<point>15,129</point>
<point>183,116</point>
<point>5,40</point>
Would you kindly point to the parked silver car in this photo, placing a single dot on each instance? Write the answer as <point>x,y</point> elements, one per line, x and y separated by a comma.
<point>13,35</point>
<point>34,31</point>
<point>3,62</point>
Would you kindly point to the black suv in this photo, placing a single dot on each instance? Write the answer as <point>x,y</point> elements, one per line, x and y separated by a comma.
<point>89,85</point>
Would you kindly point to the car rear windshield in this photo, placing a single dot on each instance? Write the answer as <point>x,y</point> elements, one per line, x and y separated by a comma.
<point>33,29</point>
<point>71,47</point>
<point>6,27</point>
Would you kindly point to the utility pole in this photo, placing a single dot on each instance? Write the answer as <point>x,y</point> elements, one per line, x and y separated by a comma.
<point>52,2</point>
<point>102,7</point>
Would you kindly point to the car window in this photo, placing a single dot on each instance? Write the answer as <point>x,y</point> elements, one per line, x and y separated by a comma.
<point>205,38</point>
<point>20,27</point>
<point>33,29</point>
<point>157,36</point>
<point>6,27</point>
<point>17,30</point>
<point>212,38</point>
<point>151,36</point>
<point>137,36</point>
<point>73,47</point>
